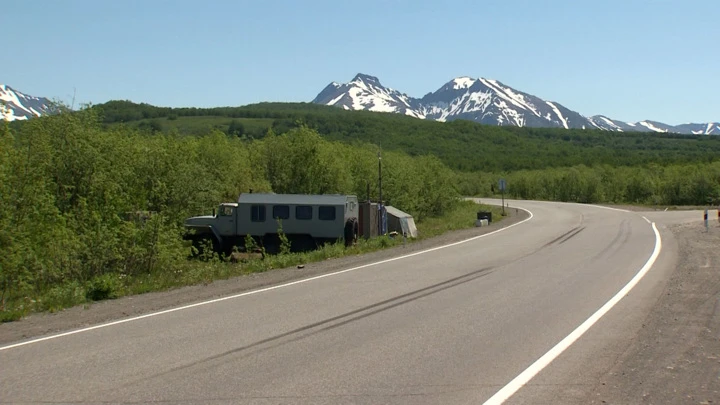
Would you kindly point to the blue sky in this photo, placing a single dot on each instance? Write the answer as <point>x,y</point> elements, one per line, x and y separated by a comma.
<point>630,60</point>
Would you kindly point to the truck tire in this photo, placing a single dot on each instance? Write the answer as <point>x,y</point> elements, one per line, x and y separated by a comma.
<point>351,232</point>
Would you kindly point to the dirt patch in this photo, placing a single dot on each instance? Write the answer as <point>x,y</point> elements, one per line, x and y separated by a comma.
<point>105,311</point>
<point>676,356</point>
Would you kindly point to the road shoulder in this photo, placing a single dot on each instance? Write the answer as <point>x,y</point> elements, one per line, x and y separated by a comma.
<point>675,358</point>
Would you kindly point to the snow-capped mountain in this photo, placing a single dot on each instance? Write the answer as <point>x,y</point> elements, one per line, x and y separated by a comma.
<point>485,101</point>
<point>711,128</point>
<point>15,105</point>
<point>491,102</point>
<point>366,93</point>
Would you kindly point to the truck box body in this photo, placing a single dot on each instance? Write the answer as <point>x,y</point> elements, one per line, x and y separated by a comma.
<point>321,216</point>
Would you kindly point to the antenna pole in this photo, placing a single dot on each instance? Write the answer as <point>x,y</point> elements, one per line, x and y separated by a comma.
<point>380,176</point>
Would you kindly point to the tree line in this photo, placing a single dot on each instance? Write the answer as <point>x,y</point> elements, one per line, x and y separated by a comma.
<point>687,184</point>
<point>462,145</point>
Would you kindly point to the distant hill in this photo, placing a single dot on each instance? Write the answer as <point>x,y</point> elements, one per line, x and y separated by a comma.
<point>461,144</point>
<point>486,101</point>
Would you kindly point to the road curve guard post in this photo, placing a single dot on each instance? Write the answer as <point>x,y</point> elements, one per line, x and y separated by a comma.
<point>705,218</point>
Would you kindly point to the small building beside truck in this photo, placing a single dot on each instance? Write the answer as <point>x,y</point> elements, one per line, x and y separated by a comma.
<point>307,220</point>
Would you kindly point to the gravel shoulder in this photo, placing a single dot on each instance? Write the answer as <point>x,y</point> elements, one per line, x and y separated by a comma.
<point>675,358</point>
<point>41,324</point>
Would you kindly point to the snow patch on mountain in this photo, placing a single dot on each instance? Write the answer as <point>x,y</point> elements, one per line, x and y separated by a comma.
<point>510,96</point>
<point>650,126</point>
<point>335,100</point>
<point>555,109</point>
<point>610,123</point>
<point>463,82</point>
<point>15,105</point>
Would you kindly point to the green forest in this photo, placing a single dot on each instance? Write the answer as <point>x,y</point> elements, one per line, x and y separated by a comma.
<point>589,166</point>
<point>462,145</point>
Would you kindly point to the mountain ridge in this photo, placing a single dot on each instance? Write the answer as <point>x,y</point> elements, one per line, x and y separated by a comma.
<point>15,105</point>
<point>482,100</point>
<point>487,101</point>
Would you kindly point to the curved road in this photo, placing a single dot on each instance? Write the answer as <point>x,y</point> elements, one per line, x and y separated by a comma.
<point>449,326</point>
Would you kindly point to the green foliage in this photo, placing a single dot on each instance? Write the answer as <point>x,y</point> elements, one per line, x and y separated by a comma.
<point>461,145</point>
<point>284,241</point>
<point>250,244</point>
<point>461,216</point>
<point>103,287</point>
<point>152,126</point>
<point>688,184</point>
<point>236,128</point>
<point>298,161</point>
<point>11,315</point>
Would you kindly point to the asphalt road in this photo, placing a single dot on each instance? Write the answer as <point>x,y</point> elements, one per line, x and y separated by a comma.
<point>450,326</point>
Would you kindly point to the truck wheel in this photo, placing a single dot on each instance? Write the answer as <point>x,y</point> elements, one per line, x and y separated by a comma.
<point>351,231</point>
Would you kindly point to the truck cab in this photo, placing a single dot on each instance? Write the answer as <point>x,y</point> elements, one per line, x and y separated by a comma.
<point>218,226</point>
<point>226,220</point>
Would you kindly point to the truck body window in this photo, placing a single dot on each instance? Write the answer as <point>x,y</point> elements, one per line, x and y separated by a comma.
<point>326,213</point>
<point>303,212</point>
<point>226,211</point>
<point>281,212</point>
<point>257,213</point>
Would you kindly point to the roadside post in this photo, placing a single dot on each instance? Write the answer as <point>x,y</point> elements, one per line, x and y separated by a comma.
<point>501,186</point>
<point>706,220</point>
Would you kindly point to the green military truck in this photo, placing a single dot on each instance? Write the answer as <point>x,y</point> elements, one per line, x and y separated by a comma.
<point>307,220</point>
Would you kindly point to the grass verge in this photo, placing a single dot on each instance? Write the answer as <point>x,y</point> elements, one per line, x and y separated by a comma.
<point>194,272</point>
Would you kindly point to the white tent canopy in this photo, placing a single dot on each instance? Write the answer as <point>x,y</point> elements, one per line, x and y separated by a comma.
<point>401,222</point>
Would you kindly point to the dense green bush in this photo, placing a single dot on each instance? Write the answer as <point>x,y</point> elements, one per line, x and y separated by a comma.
<point>687,184</point>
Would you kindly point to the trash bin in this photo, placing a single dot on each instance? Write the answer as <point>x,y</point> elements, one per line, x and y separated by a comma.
<point>485,215</point>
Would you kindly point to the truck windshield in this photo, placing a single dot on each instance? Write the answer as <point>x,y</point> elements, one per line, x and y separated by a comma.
<point>226,211</point>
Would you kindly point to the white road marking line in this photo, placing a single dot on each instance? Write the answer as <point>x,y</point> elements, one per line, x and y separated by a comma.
<point>167,311</point>
<point>560,202</point>
<point>602,206</point>
<point>518,382</point>
<point>646,220</point>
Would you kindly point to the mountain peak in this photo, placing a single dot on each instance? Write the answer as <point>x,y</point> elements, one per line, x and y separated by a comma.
<point>487,101</point>
<point>362,77</point>
<point>463,82</point>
